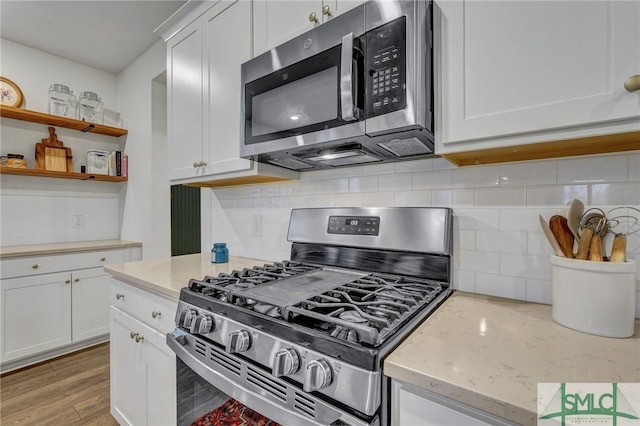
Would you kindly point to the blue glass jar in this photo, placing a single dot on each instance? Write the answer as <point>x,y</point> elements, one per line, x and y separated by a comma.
<point>219,253</point>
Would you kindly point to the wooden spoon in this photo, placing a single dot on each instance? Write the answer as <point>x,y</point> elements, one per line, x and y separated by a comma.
<point>551,238</point>
<point>619,249</point>
<point>563,234</point>
<point>576,209</point>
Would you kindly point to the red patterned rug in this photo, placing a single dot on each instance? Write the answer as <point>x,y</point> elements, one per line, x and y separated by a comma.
<point>233,413</point>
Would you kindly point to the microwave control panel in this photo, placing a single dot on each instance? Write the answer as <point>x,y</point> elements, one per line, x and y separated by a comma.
<point>386,68</point>
<point>354,225</point>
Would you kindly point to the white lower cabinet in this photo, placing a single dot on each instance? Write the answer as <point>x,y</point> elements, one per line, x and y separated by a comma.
<point>45,313</point>
<point>143,368</point>
<point>413,406</point>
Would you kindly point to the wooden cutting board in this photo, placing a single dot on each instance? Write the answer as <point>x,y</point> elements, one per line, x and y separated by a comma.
<point>51,154</point>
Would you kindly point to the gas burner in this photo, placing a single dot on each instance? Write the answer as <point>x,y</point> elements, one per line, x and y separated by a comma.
<point>343,333</point>
<point>352,316</point>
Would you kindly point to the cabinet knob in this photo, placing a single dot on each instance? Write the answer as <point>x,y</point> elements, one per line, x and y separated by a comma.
<point>67,281</point>
<point>102,259</point>
<point>326,10</point>
<point>155,314</point>
<point>77,279</point>
<point>119,296</point>
<point>632,84</point>
<point>133,334</point>
<point>138,338</point>
<point>313,17</point>
<point>34,266</point>
<point>195,164</point>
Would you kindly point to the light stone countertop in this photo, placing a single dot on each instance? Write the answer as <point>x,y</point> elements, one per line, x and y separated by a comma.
<point>9,252</point>
<point>489,353</point>
<point>166,276</point>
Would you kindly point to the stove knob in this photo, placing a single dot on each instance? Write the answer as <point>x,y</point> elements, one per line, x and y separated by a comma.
<point>185,317</point>
<point>239,341</point>
<point>202,324</point>
<point>285,362</point>
<point>317,376</point>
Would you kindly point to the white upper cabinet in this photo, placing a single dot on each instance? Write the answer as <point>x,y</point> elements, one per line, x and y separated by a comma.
<point>275,22</point>
<point>521,72</point>
<point>204,105</point>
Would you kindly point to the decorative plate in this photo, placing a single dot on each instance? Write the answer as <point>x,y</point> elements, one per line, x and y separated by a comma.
<point>10,93</point>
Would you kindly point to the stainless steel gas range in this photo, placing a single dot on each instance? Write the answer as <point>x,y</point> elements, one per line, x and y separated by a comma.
<point>302,342</point>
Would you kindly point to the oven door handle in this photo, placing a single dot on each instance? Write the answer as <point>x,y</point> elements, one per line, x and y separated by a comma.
<point>346,78</point>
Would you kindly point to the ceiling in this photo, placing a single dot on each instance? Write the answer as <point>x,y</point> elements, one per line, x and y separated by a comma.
<point>107,35</point>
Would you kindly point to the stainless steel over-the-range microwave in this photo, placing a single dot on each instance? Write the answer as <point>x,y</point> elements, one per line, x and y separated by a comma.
<point>357,89</point>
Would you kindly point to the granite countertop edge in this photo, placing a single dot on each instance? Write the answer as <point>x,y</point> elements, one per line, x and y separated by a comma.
<point>11,252</point>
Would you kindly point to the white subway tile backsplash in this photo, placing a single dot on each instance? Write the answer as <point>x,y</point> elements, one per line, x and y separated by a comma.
<point>555,195</point>
<point>396,182</point>
<point>626,194</point>
<point>534,173</point>
<point>500,285</point>
<point>414,166</point>
<point>593,169</point>
<point>502,241</point>
<point>378,199</point>
<point>526,266</point>
<point>475,177</point>
<point>413,198</point>
<point>539,291</point>
<point>454,197</point>
<point>499,248</point>
<point>433,179</point>
<point>363,184</point>
<point>500,197</point>
<point>487,219</point>
<point>479,261</point>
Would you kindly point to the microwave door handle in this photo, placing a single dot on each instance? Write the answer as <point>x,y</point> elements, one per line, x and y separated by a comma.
<point>346,78</point>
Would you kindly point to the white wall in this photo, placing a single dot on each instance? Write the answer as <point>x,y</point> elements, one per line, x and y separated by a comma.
<point>499,248</point>
<point>40,210</point>
<point>146,213</point>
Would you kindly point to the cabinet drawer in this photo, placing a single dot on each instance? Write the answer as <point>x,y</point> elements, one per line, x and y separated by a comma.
<point>36,265</point>
<point>146,307</point>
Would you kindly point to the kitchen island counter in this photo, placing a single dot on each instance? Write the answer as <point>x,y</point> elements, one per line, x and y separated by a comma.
<point>166,276</point>
<point>490,353</point>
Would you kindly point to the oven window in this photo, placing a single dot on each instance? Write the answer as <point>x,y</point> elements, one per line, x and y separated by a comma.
<point>302,103</point>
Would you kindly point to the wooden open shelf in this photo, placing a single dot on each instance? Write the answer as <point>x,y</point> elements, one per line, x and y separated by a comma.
<point>62,175</point>
<point>54,120</point>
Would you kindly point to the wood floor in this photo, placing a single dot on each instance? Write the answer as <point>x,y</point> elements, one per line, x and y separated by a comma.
<point>71,390</point>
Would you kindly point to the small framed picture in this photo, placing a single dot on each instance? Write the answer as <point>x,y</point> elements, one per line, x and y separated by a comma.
<point>10,93</point>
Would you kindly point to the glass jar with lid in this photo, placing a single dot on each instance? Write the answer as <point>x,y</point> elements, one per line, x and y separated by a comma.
<point>62,101</point>
<point>90,108</point>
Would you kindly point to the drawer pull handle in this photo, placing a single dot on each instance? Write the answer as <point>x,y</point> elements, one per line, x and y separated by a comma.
<point>67,281</point>
<point>102,259</point>
<point>138,338</point>
<point>119,296</point>
<point>34,266</point>
<point>133,334</point>
<point>155,314</point>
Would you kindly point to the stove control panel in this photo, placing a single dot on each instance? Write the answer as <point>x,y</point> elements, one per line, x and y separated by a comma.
<point>185,317</point>
<point>354,225</point>
<point>201,324</point>
<point>285,362</point>
<point>239,341</point>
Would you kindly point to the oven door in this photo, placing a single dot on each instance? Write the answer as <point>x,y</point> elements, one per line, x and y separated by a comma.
<point>213,383</point>
<point>307,91</point>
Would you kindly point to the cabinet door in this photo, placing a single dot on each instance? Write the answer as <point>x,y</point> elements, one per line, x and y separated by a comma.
<point>128,370</point>
<point>274,22</point>
<point>413,406</point>
<point>185,95</point>
<point>90,303</point>
<point>161,380</point>
<point>342,6</point>
<point>36,314</point>
<point>510,67</point>
<point>224,55</point>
